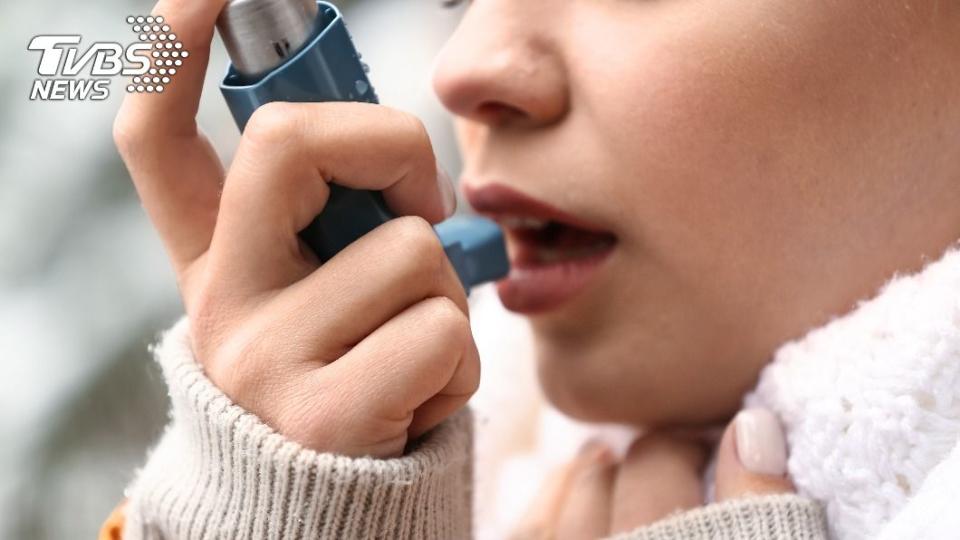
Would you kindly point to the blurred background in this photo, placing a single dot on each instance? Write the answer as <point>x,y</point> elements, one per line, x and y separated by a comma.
<point>84,284</point>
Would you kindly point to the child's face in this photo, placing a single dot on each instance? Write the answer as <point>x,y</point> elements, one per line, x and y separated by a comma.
<point>762,165</point>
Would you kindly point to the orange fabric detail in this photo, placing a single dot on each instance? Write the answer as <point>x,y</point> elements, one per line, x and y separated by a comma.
<point>112,528</point>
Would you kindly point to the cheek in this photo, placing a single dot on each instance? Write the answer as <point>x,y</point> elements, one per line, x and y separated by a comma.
<point>697,116</point>
<point>742,139</point>
<point>750,157</point>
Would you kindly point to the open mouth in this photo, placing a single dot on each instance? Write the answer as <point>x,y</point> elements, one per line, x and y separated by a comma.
<point>536,242</point>
<point>553,254</point>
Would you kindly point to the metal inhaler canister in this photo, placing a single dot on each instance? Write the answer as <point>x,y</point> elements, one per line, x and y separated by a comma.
<point>300,51</point>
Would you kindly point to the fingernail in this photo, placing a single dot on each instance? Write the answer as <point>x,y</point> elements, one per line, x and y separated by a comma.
<point>447,192</point>
<point>761,447</point>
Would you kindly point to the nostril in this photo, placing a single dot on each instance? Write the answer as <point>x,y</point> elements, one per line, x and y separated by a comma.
<point>492,112</point>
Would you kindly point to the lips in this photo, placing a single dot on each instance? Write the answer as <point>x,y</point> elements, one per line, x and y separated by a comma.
<point>554,255</point>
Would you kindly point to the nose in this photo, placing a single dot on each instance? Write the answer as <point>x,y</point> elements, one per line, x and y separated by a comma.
<point>502,67</point>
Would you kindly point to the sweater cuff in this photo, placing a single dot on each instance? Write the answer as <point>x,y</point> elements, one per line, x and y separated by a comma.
<point>220,472</point>
<point>786,516</point>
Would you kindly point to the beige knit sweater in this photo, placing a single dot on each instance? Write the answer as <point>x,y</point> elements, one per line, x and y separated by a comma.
<point>219,472</point>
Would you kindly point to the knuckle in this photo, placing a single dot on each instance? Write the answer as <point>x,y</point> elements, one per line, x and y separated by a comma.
<point>224,365</point>
<point>273,124</point>
<point>453,357</point>
<point>472,365</point>
<point>419,244</point>
<point>128,133</point>
<point>413,128</point>
<point>416,139</point>
<point>242,365</point>
<point>450,321</point>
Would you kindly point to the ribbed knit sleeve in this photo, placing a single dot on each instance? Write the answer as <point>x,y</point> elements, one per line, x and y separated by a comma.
<point>219,472</point>
<point>770,517</point>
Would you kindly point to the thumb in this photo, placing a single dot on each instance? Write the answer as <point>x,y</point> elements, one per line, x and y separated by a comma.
<point>753,457</point>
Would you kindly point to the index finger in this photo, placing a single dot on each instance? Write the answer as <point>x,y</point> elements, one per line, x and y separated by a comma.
<point>174,168</point>
<point>191,23</point>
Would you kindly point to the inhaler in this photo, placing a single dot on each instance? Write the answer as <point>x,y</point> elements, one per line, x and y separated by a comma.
<point>300,51</point>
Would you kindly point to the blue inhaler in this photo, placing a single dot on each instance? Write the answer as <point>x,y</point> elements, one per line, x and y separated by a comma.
<point>300,51</point>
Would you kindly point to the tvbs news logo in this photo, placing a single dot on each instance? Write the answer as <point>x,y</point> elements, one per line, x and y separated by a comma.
<point>69,73</point>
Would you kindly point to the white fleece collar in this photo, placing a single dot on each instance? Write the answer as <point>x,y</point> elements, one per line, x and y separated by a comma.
<point>870,403</point>
<point>871,407</point>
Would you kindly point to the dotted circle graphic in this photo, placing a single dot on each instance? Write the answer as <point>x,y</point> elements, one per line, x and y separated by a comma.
<point>166,52</point>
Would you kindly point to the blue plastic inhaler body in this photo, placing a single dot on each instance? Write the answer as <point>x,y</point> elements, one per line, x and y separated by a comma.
<point>328,68</point>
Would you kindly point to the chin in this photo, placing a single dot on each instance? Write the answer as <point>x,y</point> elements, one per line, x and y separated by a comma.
<point>591,389</point>
<point>601,384</point>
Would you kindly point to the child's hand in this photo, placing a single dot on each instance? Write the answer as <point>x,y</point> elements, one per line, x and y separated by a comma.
<point>357,357</point>
<point>596,496</point>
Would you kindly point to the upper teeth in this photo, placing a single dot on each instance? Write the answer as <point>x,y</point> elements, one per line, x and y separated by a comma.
<point>514,222</point>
